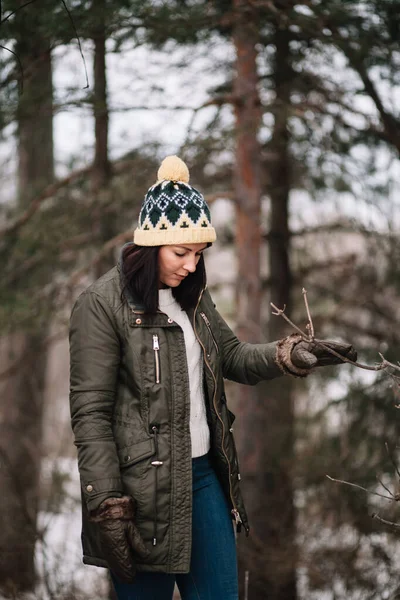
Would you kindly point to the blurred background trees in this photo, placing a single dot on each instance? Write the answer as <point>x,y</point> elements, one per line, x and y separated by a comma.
<point>287,115</point>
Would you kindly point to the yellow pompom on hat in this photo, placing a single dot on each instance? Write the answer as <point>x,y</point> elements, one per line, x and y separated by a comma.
<point>173,168</point>
<point>173,212</point>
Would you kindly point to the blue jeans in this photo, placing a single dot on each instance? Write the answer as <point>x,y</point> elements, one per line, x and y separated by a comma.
<point>213,567</point>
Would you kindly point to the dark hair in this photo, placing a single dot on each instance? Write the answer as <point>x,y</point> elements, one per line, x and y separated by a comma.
<point>140,269</point>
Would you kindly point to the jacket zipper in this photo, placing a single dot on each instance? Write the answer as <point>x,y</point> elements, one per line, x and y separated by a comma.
<point>234,511</point>
<point>208,325</point>
<point>155,463</point>
<point>156,348</point>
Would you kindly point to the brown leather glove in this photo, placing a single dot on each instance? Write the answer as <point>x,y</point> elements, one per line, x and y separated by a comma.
<point>297,357</point>
<point>120,539</point>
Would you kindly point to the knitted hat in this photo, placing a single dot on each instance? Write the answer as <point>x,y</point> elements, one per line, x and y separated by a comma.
<point>173,212</point>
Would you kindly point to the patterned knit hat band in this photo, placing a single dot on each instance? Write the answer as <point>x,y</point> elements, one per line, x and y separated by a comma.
<point>173,212</point>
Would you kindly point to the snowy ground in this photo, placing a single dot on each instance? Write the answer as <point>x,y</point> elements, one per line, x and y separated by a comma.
<point>63,576</point>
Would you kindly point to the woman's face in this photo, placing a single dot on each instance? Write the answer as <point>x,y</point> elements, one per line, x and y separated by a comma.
<point>176,262</point>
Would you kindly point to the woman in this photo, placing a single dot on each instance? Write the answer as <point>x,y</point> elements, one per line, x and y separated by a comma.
<point>157,460</point>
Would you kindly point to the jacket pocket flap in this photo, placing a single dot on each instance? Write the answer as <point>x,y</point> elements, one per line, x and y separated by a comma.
<point>129,455</point>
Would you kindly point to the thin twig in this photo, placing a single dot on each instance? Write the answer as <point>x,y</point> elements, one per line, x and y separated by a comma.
<point>307,338</point>
<point>390,455</point>
<point>360,487</point>
<point>393,497</point>
<point>118,168</point>
<point>388,363</point>
<point>310,325</point>
<point>281,313</point>
<point>117,240</point>
<point>378,518</point>
<point>386,488</point>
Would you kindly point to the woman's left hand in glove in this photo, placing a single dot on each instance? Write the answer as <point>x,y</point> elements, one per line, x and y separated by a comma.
<point>297,357</point>
<point>120,539</point>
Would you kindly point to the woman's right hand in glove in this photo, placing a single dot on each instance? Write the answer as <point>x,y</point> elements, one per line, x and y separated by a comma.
<point>297,356</point>
<point>119,537</point>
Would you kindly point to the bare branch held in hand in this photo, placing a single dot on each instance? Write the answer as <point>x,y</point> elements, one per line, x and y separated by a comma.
<point>309,337</point>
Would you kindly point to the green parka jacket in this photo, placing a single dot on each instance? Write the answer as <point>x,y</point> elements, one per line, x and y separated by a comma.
<point>129,395</point>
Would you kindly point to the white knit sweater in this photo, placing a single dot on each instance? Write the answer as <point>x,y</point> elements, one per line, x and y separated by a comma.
<point>199,430</point>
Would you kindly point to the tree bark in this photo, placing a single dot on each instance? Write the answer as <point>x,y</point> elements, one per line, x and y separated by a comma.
<point>101,165</point>
<point>21,395</point>
<point>267,559</point>
<point>247,188</point>
<point>275,483</point>
<point>247,183</point>
<point>35,109</point>
<point>105,225</point>
<point>101,172</point>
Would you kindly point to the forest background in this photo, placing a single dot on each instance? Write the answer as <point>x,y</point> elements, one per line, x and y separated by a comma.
<point>287,114</point>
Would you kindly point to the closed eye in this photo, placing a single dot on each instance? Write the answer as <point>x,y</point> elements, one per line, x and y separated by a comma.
<point>182,255</point>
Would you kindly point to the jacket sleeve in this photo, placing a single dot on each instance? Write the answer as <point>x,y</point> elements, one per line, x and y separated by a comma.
<point>244,362</point>
<point>94,364</point>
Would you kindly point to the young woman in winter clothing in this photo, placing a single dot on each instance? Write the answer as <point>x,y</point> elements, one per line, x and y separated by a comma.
<point>157,459</point>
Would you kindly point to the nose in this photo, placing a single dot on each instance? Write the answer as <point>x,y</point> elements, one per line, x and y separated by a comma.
<point>190,264</point>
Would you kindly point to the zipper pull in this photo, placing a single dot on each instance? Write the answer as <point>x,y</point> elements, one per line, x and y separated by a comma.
<point>156,349</point>
<point>205,318</point>
<point>237,518</point>
<point>236,515</point>
<point>156,462</point>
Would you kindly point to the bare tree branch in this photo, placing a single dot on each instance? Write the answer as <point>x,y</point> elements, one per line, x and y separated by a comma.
<point>383,365</point>
<point>385,521</point>
<point>360,487</point>
<point>118,168</point>
<point>385,487</point>
<point>46,342</point>
<point>390,455</point>
<point>119,239</point>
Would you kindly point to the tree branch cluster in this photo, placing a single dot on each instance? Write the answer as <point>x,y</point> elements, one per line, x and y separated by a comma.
<point>384,365</point>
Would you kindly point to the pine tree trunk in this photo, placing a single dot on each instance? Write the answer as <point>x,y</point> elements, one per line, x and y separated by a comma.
<point>277,513</point>
<point>248,245</point>
<point>21,394</point>
<point>101,171</point>
<point>35,110</point>
<point>104,218</point>
<point>247,177</point>
<point>267,558</point>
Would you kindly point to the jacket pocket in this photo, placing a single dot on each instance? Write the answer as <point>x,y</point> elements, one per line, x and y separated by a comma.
<point>208,325</point>
<point>134,453</point>
<point>156,350</point>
